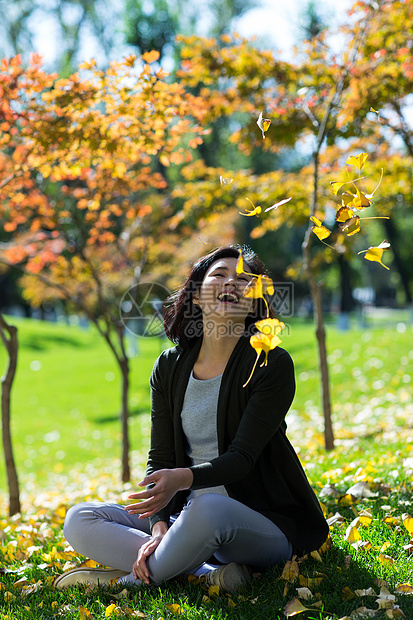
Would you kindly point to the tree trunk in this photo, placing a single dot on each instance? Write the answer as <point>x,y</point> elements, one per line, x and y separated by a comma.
<point>124,366</point>
<point>11,345</point>
<point>316,294</point>
<point>315,290</point>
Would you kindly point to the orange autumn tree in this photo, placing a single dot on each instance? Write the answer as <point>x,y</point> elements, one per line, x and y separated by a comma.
<point>83,184</point>
<point>307,100</point>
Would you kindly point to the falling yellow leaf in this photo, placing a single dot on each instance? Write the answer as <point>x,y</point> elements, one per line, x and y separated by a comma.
<point>294,607</point>
<point>260,343</point>
<point>375,253</point>
<point>240,264</point>
<point>347,221</point>
<point>174,608</point>
<point>321,231</point>
<point>258,287</point>
<point>263,124</point>
<point>254,211</point>
<point>373,110</point>
<point>278,204</point>
<point>270,327</point>
<point>357,160</point>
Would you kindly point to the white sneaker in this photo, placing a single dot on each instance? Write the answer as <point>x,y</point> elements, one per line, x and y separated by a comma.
<point>229,577</point>
<point>89,576</point>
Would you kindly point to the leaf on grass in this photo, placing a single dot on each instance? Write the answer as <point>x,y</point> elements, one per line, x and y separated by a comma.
<point>362,612</point>
<point>352,534</point>
<point>278,204</point>
<point>316,556</point>
<point>254,211</point>
<point>385,559</point>
<point>408,523</point>
<point>213,591</point>
<point>347,594</point>
<point>174,608</point>
<point>304,593</point>
<point>263,124</point>
<point>231,603</point>
<point>365,592</point>
<point>321,231</point>
<point>294,607</point>
<point>309,582</point>
<point>291,571</point>
<point>396,612</point>
<point>404,588</point>
<point>84,614</point>
<point>361,489</point>
<point>336,518</point>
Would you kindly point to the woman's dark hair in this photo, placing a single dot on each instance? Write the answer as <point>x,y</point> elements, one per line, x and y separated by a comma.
<point>183,319</point>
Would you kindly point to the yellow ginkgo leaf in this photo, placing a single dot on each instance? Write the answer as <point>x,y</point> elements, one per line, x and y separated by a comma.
<point>263,124</point>
<point>240,264</point>
<point>375,253</point>
<point>254,211</point>
<point>260,343</point>
<point>84,614</point>
<point>291,571</point>
<point>258,287</point>
<point>357,160</point>
<point>174,608</point>
<point>408,523</point>
<point>404,588</point>
<point>348,223</point>
<point>270,327</point>
<point>213,590</point>
<point>278,204</point>
<point>110,610</point>
<point>321,231</point>
<point>294,607</point>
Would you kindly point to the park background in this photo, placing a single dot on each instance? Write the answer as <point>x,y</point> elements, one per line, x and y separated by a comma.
<point>149,203</point>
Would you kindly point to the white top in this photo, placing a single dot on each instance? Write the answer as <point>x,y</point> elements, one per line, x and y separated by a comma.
<point>199,423</point>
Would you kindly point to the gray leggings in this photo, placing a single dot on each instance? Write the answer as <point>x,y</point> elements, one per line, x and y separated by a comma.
<point>210,525</point>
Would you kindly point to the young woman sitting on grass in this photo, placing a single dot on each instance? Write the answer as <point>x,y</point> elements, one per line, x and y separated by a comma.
<point>222,479</point>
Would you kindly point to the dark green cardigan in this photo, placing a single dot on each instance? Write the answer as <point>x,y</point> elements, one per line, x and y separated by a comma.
<point>256,462</point>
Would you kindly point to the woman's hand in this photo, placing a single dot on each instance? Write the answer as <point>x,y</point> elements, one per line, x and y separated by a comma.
<point>166,483</point>
<point>140,569</point>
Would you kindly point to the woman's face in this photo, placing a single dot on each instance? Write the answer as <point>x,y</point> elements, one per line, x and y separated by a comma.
<point>221,294</point>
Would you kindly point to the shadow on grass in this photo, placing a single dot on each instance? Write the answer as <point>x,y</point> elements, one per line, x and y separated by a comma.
<point>109,418</point>
<point>41,342</point>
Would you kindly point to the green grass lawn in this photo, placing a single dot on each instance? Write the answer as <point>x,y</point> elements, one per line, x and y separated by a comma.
<point>66,434</point>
